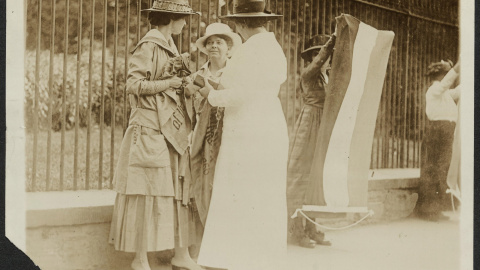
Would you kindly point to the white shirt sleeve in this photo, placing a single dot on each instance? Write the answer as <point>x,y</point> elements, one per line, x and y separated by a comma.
<point>438,88</point>
<point>455,93</point>
<point>226,97</point>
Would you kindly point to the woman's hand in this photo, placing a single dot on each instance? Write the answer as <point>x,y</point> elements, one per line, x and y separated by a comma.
<point>206,89</point>
<point>457,67</point>
<point>175,82</point>
<point>190,88</point>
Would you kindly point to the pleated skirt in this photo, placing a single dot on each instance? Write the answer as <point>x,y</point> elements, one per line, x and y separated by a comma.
<point>151,223</point>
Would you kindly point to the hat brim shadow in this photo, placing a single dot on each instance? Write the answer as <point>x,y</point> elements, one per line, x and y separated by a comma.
<point>252,15</point>
<point>169,11</point>
<point>306,52</point>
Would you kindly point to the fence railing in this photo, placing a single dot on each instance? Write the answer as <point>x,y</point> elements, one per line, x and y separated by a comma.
<point>77,59</point>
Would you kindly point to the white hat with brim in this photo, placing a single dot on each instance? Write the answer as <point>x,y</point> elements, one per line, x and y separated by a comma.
<point>172,6</point>
<point>218,29</point>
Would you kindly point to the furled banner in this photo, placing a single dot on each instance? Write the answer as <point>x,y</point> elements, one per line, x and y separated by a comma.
<point>344,143</point>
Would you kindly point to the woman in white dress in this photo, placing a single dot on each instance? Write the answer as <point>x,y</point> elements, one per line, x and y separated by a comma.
<point>246,223</point>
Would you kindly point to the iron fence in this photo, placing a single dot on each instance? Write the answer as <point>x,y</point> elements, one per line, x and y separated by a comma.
<point>72,111</point>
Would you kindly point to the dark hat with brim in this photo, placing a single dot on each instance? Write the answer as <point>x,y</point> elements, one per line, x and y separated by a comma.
<point>250,9</point>
<point>172,6</point>
<point>315,43</point>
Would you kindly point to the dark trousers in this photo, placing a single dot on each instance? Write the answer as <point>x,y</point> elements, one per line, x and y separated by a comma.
<point>436,153</point>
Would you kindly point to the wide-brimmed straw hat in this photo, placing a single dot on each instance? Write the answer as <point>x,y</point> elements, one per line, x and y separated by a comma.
<point>218,29</point>
<point>171,6</point>
<point>249,9</point>
<point>315,43</point>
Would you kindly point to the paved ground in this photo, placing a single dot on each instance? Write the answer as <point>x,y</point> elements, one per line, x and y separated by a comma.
<point>407,244</point>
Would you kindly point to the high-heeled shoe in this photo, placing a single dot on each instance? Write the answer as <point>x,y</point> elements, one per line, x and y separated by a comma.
<point>141,264</point>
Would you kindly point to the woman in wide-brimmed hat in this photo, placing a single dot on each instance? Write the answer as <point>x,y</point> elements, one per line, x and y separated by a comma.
<point>246,223</point>
<point>313,82</point>
<point>150,211</point>
<point>442,114</point>
<point>218,43</point>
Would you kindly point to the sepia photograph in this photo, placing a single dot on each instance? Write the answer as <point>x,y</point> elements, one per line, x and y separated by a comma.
<point>240,134</point>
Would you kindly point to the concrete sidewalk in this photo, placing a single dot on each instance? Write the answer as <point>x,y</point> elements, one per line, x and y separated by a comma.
<point>407,244</point>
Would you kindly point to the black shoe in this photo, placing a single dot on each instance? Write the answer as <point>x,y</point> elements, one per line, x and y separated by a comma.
<point>319,238</point>
<point>306,242</point>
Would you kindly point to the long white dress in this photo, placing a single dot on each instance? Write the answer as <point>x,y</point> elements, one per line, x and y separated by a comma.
<point>246,225</point>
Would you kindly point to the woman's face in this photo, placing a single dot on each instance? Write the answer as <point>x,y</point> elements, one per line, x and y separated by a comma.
<point>314,53</point>
<point>178,25</point>
<point>217,47</point>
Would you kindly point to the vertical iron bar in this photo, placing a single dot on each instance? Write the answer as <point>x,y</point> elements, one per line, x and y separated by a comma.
<point>276,12</point>
<point>330,18</point>
<point>209,3</point>
<point>35,111</point>
<point>424,61</point>
<point>415,94</point>
<point>389,109</point>
<point>295,62</point>
<point>89,110</point>
<point>289,64</point>
<point>426,58</point>
<point>283,24</point>
<point>89,113</point>
<point>64,96</point>
<point>199,20</point>
<point>149,25</point>
<point>385,97</point>
<point>399,97</point>
<point>102,95</point>
<point>139,16</point>
<point>302,62</point>
<point>405,114</point>
<point>114,97</point>
<point>127,39</point>
<point>189,30</point>
<point>50,94</point>
<point>77,94</point>
<point>396,104</point>
<point>392,59</point>
<point>380,140</point>
<point>324,15</point>
<point>218,10</point>
<point>310,30</point>
<point>317,18</point>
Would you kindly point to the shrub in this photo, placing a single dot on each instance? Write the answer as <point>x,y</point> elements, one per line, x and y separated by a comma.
<point>70,89</point>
